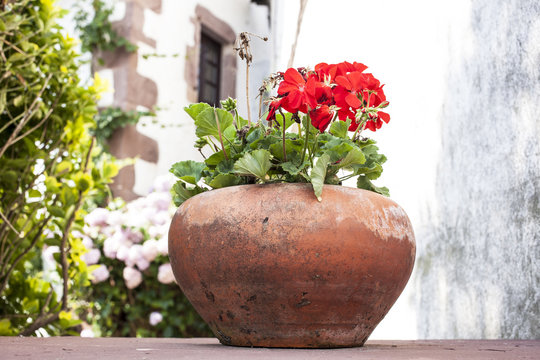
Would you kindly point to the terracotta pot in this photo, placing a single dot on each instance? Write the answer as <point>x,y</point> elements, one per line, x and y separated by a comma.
<point>269,265</point>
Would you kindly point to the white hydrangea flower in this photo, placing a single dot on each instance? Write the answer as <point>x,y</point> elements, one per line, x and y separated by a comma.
<point>112,244</point>
<point>165,274</point>
<point>91,257</point>
<point>150,249</point>
<point>98,217</point>
<point>160,200</point>
<point>142,264</point>
<point>163,246</point>
<point>100,274</point>
<point>160,218</point>
<point>115,218</point>
<point>135,253</point>
<point>122,253</point>
<point>155,318</point>
<point>88,333</point>
<point>133,277</point>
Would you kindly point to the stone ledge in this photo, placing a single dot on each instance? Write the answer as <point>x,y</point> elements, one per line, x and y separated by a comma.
<point>206,348</point>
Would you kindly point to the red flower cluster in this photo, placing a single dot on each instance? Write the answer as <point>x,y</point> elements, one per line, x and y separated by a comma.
<point>343,89</point>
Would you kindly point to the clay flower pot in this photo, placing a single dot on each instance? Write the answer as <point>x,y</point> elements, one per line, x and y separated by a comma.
<point>269,265</point>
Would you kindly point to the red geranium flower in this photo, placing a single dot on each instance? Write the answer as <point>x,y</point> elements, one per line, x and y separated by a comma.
<point>298,93</point>
<point>272,108</point>
<point>321,117</point>
<point>375,122</point>
<point>346,67</point>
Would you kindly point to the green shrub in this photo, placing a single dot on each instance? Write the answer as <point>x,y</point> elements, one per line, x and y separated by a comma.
<point>47,169</point>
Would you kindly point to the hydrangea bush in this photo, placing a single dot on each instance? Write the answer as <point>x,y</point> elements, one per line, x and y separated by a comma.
<point>133,290</point>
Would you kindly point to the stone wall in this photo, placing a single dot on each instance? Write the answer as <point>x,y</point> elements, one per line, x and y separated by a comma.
<point>478,268</point>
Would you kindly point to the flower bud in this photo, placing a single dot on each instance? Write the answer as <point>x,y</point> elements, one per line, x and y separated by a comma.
<point>229,104</point>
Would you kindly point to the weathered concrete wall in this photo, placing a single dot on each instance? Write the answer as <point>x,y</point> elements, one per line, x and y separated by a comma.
<point>463,148</point>
<point>478,270</point>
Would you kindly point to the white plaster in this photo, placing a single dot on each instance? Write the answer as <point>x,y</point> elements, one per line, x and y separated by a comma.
<point>107,97</point>
<point>143,185</point>
<point>119,11</point>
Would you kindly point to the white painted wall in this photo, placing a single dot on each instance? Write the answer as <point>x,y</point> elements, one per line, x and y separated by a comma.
<point>174,31</point>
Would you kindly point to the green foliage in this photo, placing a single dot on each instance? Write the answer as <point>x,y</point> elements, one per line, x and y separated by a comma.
<point>48,174</point>
<point>259,153</point>
<point>112,118</point>
<point>98,33</point>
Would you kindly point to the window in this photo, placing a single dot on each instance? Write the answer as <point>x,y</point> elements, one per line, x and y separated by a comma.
<point>209,70</point>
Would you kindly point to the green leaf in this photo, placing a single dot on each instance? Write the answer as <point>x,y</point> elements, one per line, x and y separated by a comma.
<point>57,211</point>
<point>189,171</point>
<point>225,167</point>
<point>83,181</point>
<point>195,109</point>
<point>354,157</point>
<point>18,101</point>
<point>181,193</point>
<point>30,306</point>
<point>229,133</point>
<point>364,183</point>
<point>256,163</point>
<point>293,149</point>
<point>110,170</point>
<point>224,180</point>
<point>241,122</point>
<point>318,174</point>
<point>340,128</point>
<point>215,159</point>
<point>206,122</point>
<point>64,167</point>
<point>254,135</point>
<point>292,168</point>
<point>33,193</point>
<point>288,120</point>
<point>5,327</point>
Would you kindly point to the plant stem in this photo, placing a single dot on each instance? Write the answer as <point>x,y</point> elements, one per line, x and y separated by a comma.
<point>283,126</point>
<point>306,138</point>
<point>220,137</point>
<point>26,118</point>
<point>247,94</point>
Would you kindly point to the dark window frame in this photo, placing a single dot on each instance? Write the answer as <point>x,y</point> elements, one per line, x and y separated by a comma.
<point>210,67</point>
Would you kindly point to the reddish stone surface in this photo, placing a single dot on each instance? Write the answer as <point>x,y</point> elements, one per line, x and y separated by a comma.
<point>269,265</point>
<point>203,348</point>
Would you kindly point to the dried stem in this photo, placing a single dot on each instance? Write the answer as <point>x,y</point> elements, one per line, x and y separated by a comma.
<point>244,51</point>
<point>303,4</point>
